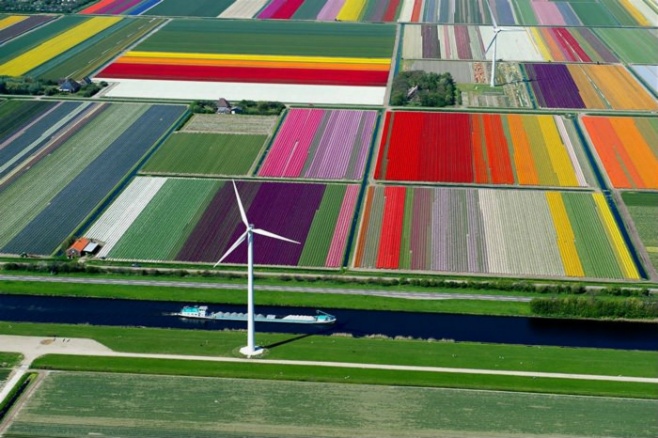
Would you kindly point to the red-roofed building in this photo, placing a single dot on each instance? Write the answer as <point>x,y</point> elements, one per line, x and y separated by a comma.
<point>80,247</point>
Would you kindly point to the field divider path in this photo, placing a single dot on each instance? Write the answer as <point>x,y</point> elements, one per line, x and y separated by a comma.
<point>34,346</point>
<point>272,288</point>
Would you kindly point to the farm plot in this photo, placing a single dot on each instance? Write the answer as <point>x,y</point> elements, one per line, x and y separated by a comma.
<point>32,127</point>
<point>648,74</point>
<point>81,404</point>
<point>588,86</point>
<point>256,125</point>
<point>536,150</point>
<point>197,220</point>
<point>45,203</point>
<point>321,144</point>
<point>97,51</point>
<point>319,56</point>
<point>15,25</point>
<point>588,13</point>
<point>643,208</point>
<point>206,154</point>
<point>631,45</point>
<point>27,60</point>
<point>199,8</point>
<point>331,10</point>
<point>628,149</point>
<point>128,7</point>
<point>508,232</point>
<point>429,41</point>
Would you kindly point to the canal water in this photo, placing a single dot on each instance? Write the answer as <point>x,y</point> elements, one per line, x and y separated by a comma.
<point>465,328</point>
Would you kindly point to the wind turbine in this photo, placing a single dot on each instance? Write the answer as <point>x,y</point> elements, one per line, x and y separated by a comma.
<point>251,349</point>
<point>494,42</point>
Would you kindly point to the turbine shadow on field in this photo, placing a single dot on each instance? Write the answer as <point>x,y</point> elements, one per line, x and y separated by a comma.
<point>296,338</point>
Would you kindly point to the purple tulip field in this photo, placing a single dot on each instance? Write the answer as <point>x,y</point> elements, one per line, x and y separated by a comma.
<point>197,220</point>
<point>321,144</point>
<point>59,160</point>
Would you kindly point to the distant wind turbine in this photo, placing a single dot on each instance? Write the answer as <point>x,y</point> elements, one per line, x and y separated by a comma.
<point>251,349</point>
<point>494,42</point>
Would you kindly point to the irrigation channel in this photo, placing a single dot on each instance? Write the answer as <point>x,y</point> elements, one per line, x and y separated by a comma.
<point>466,328</point>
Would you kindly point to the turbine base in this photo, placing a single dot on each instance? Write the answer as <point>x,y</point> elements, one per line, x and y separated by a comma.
<point>249,352</point>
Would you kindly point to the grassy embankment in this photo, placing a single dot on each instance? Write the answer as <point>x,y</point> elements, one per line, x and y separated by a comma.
<point>271,298</point>
<point>355,350</point>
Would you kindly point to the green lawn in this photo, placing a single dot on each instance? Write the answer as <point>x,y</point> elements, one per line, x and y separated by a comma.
<point>206,154</point>
<point>358,350</point>
<point>81,404</point>
<point>8,360</point>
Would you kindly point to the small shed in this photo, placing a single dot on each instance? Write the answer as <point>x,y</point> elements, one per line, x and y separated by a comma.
<point>69,86</point>
<point>82,247</point>
<point>223,106</point>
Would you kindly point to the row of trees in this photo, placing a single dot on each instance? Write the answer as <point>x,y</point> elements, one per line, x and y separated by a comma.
<point>26,86</point>
<point>52,6</point>
<point>590,307</point>
<point>420,88</point>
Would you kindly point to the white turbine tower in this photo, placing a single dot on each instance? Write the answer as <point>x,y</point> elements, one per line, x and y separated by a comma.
<point>494,42</point>
<point>251,349</point>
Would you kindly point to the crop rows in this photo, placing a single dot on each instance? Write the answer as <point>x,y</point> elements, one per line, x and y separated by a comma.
<point>206,154</point>
<point>74,404</point>
<point>628,148</point>
<point>46,202</point>
<point>510,232</point>
<point>321,144</point>
<point>588,86</point>
<point>210,123</point>
<point>481,148</point>
<point>532,12</point>
<point>96,51</point>
<point>15,25</point>
<point>55,46</point>
<point>643,208</point>
<point>197,220</point>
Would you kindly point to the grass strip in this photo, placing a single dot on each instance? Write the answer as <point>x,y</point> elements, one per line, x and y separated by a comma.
<point>343,375</point>
<point>269,298</point>
<point>375,350</point>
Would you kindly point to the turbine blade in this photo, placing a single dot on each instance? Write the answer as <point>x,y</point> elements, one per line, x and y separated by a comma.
<point>243,215</point>
<point>232,248</point>
<point>493,17</point>
<point>272,235</point>
<point>511,29</point>
<point>491,43</point>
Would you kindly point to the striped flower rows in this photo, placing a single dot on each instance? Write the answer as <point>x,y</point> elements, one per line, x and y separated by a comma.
<point>588,86</point>
<point>627,148</point>
<point>196,220</point>
<point>515,232</point>
<point>482,148</point>
<point>55,46</point>
<point>15,25</point>
<point>250,68</point>
<point>69,168</point>
<point>321,144</point>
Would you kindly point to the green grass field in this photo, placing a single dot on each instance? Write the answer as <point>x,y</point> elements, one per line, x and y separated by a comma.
<point>633,46</point>
<point>357,350</point>
<point>206,154</point>
<point>81,404</point>
<point>273,37</point>
<point>8,360</point>
<point>643,208</point>
<point>177,8</point>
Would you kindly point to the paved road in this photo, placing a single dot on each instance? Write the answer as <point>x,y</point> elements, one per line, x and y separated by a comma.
<point>296,289</point>
<point>33,346</point>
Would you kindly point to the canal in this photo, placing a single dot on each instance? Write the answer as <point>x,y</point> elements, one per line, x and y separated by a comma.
<point>464,328</point>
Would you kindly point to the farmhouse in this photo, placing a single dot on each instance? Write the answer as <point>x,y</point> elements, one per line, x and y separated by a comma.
<point>82,247</point>
<point>223,106</point>
<point>69,86</point>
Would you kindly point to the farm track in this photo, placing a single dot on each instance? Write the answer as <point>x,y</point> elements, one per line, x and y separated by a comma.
<point>294,289</point>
